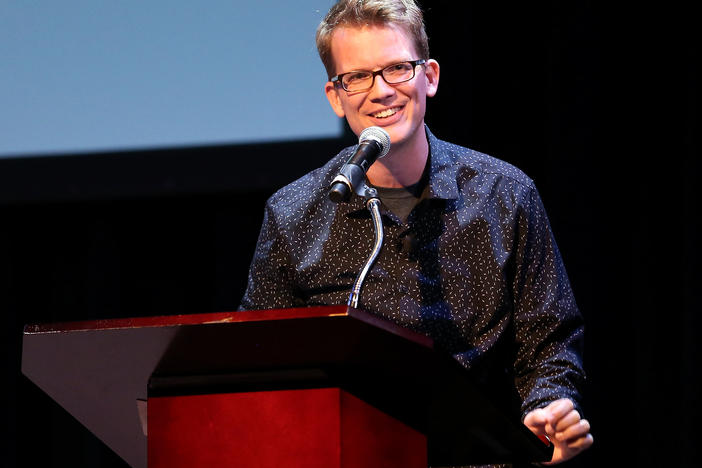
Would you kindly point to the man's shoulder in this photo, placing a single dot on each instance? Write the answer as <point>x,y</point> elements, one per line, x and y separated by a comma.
<point>469,162</point>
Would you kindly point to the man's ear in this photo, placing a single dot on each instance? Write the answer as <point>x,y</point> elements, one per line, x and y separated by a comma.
<point>431,72</point>
<point>334,99</point>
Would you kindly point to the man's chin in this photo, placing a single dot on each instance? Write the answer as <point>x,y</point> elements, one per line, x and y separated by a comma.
<point>398,135</point>
<point>398,131</point>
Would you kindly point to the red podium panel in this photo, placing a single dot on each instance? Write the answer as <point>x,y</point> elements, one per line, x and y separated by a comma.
<point>314,428</point>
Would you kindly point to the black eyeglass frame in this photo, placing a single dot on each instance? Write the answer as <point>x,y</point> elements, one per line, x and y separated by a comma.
<point>338,79</point>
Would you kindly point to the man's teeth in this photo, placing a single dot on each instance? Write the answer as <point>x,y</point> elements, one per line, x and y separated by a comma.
<point>386,113</point>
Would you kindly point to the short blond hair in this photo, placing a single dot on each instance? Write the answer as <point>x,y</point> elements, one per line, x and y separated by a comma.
<point>359,13</point>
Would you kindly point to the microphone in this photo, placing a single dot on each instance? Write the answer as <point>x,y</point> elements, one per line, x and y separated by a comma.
<point>373,143</point>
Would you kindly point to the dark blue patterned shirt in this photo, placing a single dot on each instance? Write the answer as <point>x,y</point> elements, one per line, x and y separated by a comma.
<point>475,267</point>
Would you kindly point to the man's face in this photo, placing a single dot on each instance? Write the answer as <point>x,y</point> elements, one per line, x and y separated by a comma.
<point>398,108</point>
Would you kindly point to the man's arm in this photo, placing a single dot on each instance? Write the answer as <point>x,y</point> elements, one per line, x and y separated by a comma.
<point>270,284</point>
<point>548,333</point>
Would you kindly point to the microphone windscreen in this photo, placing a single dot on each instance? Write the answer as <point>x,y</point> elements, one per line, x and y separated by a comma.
<point>378,135</point>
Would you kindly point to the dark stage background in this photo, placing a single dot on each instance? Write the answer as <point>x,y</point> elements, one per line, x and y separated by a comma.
<point>598,103</point>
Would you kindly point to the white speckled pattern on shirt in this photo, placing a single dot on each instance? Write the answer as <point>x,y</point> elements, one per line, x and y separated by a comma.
<point>475,267</point>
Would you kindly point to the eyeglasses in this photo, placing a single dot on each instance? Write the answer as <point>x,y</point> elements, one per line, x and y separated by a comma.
<point>361,80</point>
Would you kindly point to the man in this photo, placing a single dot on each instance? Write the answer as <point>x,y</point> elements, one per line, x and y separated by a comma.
<point>469,258</point>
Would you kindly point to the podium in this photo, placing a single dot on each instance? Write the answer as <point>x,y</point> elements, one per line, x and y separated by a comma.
<point>308,387</point>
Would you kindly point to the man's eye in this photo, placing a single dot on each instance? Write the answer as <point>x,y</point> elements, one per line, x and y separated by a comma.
<point>398,68</point>
<point>356,77</point>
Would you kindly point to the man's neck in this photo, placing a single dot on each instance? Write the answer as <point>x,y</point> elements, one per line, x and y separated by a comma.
<point>402,166</point>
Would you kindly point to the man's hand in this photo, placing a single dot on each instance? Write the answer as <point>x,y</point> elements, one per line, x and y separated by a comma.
<point>569,433</point>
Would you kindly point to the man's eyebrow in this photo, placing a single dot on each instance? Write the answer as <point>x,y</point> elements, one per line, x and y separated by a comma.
<point>379,67</point>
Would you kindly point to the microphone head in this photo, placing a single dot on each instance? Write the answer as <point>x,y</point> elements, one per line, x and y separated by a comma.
<point>378,135</point>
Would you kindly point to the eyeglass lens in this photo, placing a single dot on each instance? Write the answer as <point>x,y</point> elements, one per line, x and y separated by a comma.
<point>396,73</point>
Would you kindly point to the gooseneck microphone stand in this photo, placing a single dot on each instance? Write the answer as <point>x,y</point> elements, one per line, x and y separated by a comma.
<point>373,205</point>
<point>373,143</point>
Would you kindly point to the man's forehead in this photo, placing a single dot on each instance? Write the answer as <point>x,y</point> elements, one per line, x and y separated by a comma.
<point>370,46</point>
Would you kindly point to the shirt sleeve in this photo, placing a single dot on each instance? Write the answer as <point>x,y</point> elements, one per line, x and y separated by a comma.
<point>270,284</point>
<point>548,325</point>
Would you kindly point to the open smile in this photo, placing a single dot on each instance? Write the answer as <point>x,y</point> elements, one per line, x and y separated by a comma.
<point>385,113</point>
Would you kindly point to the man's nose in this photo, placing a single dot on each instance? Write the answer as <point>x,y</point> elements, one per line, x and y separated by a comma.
<point>380,89</point>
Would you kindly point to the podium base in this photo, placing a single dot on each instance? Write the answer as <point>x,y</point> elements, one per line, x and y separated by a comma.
<point>313,428</point>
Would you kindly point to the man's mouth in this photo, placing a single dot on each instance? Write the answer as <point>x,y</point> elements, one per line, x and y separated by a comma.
<point>383,114</point>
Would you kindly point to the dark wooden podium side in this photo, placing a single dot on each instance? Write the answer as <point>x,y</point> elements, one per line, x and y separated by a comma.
<point>331,372</point>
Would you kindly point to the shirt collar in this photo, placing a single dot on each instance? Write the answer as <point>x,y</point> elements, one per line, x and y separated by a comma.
<point>442,176</point>
<point>442,173</point>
